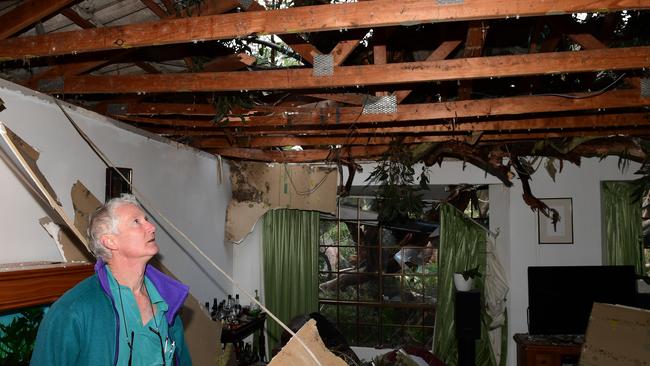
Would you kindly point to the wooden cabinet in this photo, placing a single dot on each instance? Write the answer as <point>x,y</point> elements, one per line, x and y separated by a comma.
<point>23,286</point>
<point>547,350</point>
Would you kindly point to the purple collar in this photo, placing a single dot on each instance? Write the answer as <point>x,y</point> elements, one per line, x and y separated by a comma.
<point>172,291</point>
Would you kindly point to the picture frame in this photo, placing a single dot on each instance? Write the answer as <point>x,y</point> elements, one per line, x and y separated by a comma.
<point>560,232</point>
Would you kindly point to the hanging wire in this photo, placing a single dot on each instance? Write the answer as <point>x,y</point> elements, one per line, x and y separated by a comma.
<point>147,204</point>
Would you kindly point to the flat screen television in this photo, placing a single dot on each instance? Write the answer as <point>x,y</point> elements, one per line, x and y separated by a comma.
<point>560,297</point>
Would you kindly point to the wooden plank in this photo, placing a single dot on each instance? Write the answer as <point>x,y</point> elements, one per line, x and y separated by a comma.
<point>77,19</point>
<point>343,49</point>
<point>168,122</point>
<point>207,7</point>
<point>415,112</point>
<point>38,285</point>
<point>229,62</point>
<point>307,156</point>
<point>347,136</point>
<point>587,41</point>
<point>440,53</point>
<point>135,108</point>
<point>155,8</point>
<point>294,20</point>
<point>28,13</point>
<point>147,67</point>
<point>476,34</point>
<point>309,141</point>
<point>423,71</point>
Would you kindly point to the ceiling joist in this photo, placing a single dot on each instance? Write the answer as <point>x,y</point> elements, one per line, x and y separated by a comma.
<point>367,14</point>
<point>350,76</point>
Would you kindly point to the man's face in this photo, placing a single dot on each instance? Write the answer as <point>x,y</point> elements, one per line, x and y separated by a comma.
<point>136,236</point>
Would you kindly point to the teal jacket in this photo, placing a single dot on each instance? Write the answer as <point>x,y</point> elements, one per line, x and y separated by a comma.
<point>82,327</point>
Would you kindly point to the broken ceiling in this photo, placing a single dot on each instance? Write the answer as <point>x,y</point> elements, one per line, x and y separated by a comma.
<point>309,81</point>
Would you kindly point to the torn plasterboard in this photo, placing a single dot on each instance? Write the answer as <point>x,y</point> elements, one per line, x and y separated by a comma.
<point>259,187</point>
<point>84,204</point>
<point>70,249</point>
<point>31,156</point>
<point>293,353</point>
<point>2,105</point>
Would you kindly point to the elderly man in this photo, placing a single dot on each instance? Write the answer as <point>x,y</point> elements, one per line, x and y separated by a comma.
<point>125,314</point>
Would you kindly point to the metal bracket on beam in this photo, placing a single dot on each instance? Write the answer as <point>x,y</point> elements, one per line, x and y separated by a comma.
<point>380,105</point>
<point>50,85</point>
<point>245,4</point>
<point>645,87</point>
<point>117,108</point>
<point>323,65</point>
<point>449,2</point>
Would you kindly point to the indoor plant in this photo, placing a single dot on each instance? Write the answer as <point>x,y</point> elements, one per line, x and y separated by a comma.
<point>464,280</point>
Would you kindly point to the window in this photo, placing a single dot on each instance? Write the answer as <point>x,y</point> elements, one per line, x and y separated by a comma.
<point>378,283</point>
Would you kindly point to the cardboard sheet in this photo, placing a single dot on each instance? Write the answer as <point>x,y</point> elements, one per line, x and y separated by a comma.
<point>617,335</point>
<point>259,187</point>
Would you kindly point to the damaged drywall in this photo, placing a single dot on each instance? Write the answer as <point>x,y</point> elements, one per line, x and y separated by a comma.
<point>259,187</point>
<point>31,155</point>
<point>294,353</point>
<point>70,247</point>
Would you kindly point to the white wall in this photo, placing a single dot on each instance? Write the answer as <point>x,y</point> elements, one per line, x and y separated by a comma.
<point>517,246</point>
<point>180,182</point>
<point>582,184</point>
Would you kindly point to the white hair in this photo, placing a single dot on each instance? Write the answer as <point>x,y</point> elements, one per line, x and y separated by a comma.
<point>104,222</point>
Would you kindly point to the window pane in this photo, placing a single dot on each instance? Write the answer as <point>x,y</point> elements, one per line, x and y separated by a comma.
<point>349,331</point>
<point>368,336</point>
<point>381,279</point>
<point>368,315</point>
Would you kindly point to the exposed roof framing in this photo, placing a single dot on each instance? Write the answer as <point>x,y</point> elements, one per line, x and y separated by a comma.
<point>455,78</point>
<point>350,76</point>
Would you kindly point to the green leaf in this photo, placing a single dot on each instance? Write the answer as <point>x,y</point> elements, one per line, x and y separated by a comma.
<point>550,168</point>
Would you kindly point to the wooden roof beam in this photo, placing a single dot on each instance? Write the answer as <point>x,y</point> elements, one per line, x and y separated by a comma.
<point>155,8</point>
<point>84,67</point>
<point>618,98</point>
<point>476,35</point>
<point>349,76</point>
<point>585,123</point>
<point>307,156</point>
<point>440,53</point>
<point>28,13</point>
<point>304,142</point>
<point>367,14</point>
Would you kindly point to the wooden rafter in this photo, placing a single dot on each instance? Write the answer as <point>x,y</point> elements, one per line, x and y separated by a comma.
<point>456,69</point>
<point>315,155</point>
<point>273,141</point>
<point>440,53</point>
<point>78,68</point>
<point>360,136</point>
<point>28,13</point>
<point>155,8</point>
<point>294,20</point>
<point>476,35</point>
<point>623,98</point>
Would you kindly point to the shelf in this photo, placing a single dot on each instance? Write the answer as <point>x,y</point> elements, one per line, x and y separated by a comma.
<point>24,285</point>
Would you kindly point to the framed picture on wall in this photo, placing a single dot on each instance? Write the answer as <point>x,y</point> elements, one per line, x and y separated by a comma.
<point>560,232</point>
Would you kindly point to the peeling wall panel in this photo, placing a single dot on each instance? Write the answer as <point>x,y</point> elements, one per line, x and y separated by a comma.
<point>259,187</point>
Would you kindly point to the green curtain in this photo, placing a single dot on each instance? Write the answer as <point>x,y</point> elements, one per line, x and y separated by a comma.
<point>462,246</point>
<point>290,252</point>
<point>623,225</point>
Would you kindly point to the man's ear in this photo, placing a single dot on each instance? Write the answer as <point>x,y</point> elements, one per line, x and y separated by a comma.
<point>108,241</point>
